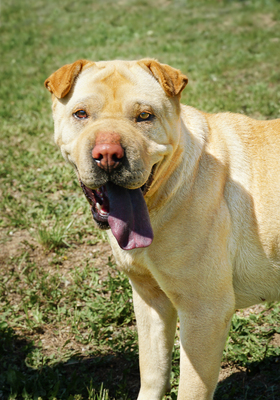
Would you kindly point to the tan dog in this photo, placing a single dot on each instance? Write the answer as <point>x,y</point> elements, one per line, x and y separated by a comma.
<point>192,201</point>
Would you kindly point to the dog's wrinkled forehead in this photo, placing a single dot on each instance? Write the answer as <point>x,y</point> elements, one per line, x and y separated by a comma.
<point>117,77</point>
<point>116,87</point>
<point>104,69</point>
<point>147,76</point>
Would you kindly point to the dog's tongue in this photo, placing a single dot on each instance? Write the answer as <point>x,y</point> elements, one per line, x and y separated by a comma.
<point>129,218</point>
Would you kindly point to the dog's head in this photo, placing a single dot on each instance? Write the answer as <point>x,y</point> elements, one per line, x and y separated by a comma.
<point>116,123</point>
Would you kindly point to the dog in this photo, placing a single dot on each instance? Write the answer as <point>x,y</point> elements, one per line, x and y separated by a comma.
<point>191,202</point>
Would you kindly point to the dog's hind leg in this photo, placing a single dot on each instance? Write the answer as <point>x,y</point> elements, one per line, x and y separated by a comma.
<point>156,324</point>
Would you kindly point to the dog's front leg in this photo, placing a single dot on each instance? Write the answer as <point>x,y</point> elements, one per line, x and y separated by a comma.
<point>156,324</point>
<point>203,333</point>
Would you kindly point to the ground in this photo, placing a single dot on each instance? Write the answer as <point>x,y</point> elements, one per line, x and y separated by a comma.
<point>62,349</point>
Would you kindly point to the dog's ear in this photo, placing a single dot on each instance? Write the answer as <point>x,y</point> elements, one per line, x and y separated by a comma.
<point>172,80</point>
<point>61,81</point>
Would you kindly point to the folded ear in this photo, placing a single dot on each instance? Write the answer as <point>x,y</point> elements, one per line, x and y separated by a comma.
<point>172,80</point>
<point>61,81</point>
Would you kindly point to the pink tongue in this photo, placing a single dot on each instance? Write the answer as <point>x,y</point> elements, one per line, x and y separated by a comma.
<point>129,218</point>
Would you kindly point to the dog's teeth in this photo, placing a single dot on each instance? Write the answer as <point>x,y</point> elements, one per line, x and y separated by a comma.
<point>102,212</point>
<point>98,206</point>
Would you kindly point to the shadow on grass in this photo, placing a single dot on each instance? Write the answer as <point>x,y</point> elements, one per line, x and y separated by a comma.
<point>118,373</point>
<point>259,381</point>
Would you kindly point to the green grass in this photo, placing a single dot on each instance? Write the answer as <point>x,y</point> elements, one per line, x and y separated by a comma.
<point>67,328</point>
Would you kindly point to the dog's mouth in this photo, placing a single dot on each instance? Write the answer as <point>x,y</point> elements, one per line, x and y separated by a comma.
<point>124,211</point>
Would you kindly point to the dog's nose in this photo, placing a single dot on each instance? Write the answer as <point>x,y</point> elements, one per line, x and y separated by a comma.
<point>108,151</point>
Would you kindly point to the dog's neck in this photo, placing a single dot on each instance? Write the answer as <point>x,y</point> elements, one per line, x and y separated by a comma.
<point>180,167</point>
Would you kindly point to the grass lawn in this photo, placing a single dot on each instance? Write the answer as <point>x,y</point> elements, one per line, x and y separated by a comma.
<point>67,328</point>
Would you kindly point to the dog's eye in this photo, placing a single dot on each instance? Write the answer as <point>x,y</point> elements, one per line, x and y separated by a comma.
<point>144,116</point>
<point>80,114</point>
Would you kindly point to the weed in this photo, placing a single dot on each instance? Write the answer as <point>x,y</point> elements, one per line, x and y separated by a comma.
<point>55,236</point>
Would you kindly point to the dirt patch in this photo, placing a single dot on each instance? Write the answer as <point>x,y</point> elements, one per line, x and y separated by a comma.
<point>14,243</point>
<point>276,340</point>
<point>227,370</point>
